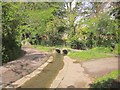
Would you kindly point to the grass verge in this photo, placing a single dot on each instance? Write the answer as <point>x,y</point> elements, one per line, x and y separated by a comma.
<point>47,48</point>
<point>107,81</point>
<point>95,53</point>
<point>43,48</point>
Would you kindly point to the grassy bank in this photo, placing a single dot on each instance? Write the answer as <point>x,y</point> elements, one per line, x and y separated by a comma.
<point>47,48</point>
<point>95,53</point>
<point>43,48</point>
<point>107,81</point>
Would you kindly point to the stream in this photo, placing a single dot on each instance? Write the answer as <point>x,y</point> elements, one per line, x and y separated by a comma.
<point>46,77</point>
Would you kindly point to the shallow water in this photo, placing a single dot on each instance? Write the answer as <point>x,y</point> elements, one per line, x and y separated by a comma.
<point>45,78</point>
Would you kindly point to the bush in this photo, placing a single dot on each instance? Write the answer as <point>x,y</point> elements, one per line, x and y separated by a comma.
<point>107,81</point>
<point>110,83</point>
<point>76,44</point>
<point>11,21</point>
<point>89,43</point>
<point>9,54</point>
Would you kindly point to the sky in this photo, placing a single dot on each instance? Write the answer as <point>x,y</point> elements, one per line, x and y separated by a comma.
<point>82,8</point>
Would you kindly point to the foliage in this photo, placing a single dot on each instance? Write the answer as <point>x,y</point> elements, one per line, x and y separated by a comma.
<point>40,23</point>
<point>100,31</point>
<point>107,81</point>
<point>77,44</point>
<point>23,22</point>
<point>12,18</point>
<point>117,49</point>
<point>94,29</point>
<point>52,24</point>
<point>55,32</point>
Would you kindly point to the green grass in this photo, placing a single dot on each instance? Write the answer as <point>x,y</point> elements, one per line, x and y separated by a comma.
<point>117,49</point>
<point>107,80</point>
<point>42,48</point>
<point>47,48</point>
<point>113,75</point>
<point>95,53</point>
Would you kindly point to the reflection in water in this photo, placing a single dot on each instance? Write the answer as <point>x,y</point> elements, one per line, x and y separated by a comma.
<point>45,78</point>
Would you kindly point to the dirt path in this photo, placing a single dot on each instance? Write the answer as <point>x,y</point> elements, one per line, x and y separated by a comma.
<point>100,67</point>
<point>14,70</point>
<point>78,75</point>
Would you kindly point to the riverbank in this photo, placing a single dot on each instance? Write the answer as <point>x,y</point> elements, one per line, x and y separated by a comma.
<point>14,70</point>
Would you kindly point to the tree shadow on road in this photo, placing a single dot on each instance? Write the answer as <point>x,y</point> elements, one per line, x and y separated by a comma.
<point>23,53</point>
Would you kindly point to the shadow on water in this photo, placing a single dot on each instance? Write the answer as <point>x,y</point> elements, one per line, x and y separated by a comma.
<point>45,78</point>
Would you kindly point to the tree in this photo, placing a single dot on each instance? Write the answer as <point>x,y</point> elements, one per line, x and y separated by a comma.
<point>12,17</point>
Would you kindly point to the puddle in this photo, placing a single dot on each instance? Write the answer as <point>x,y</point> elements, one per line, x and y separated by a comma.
<point>45,78</point>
